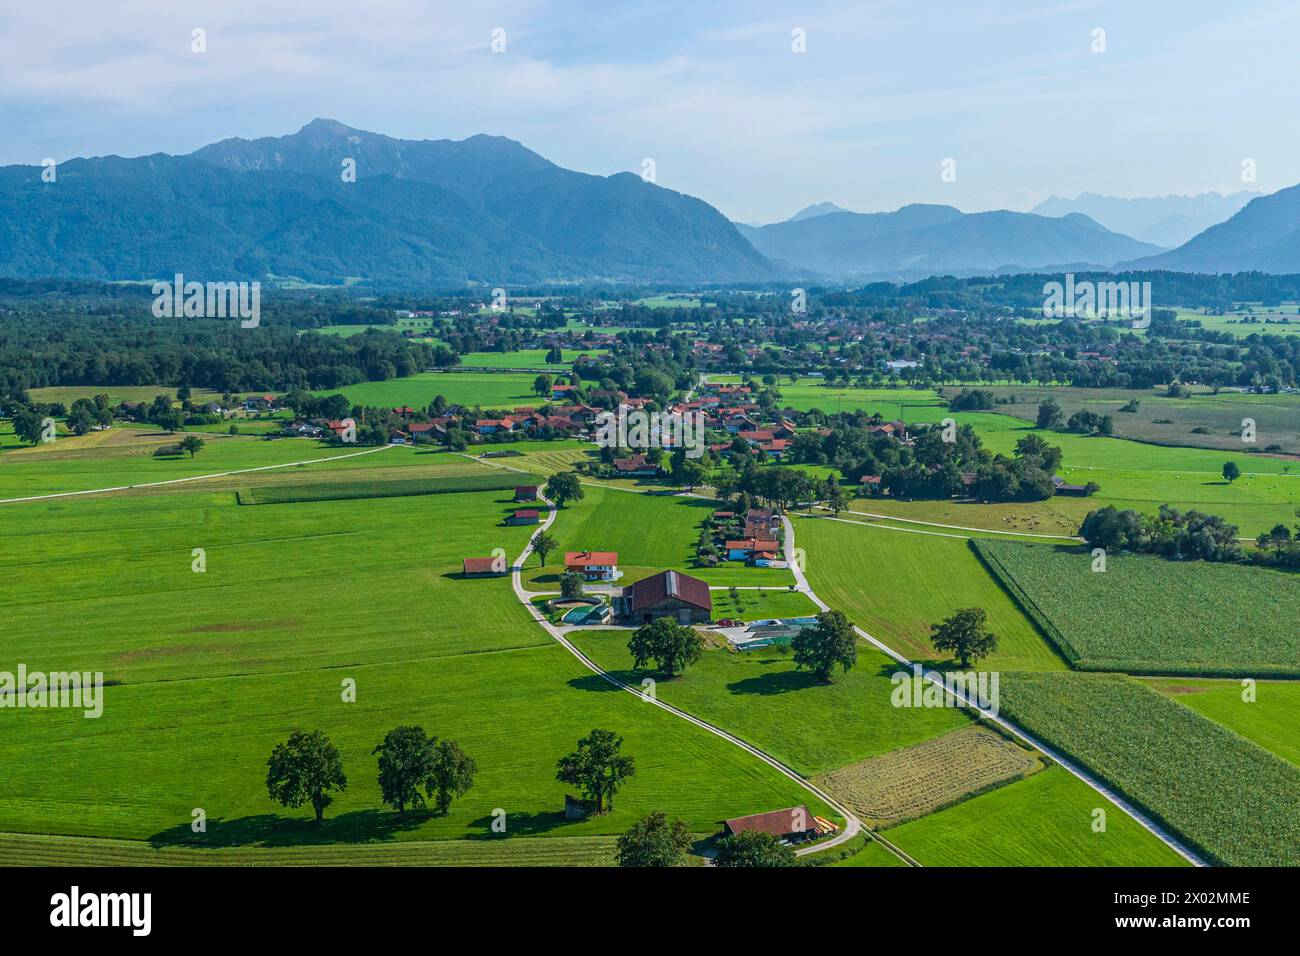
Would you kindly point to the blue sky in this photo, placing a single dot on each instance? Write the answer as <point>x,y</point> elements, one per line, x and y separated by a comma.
<point>712,91</point>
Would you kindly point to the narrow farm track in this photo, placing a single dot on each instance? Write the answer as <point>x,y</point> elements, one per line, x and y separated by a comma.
<point>178,481</point>
<point>1146,822</point>
<point>852,827</point>
<point>957,527</point>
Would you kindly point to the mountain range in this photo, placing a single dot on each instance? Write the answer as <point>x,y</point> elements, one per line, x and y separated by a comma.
<point>486,211</point>
<point>925,239</point>
<point>1164,220</point>
<point>428,212</point>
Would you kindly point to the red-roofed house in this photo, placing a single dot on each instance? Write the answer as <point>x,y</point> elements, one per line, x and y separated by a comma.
<point>483,567</point>
<point>793,823</point>
<point>593,565</point>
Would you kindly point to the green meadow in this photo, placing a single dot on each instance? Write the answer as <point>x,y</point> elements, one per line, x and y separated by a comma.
<point>896,584</point>
<point>1011,826</point>
<point>208,669</point>
<point>526,358</point>
<point>1271,719</point>
<point>486,389</point>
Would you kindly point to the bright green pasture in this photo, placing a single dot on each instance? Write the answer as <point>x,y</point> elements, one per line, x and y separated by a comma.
<point>896,584</point>
<point>1044,820</point>
<point>651,533</point>
<point>757,605</point>
<point>526,358</point>
<point>759,696</point>
<point>218,666</point>
<point>1271,720</point>
<point>488,389</point>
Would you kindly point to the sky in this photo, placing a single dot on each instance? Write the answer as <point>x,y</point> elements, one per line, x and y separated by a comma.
<point>1026,99</point>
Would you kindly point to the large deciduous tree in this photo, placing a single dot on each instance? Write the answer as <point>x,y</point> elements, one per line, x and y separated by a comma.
<point>673,647</point>
<point>829,642</point>
<point>304,769</point>
<point>597,767</point>
<point>966,635</point>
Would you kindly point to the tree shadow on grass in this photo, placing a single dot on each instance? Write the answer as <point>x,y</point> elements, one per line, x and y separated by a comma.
<point>594,682</point>
<point>520,824</point>
<point>277,830</point>
<point>775,682</point>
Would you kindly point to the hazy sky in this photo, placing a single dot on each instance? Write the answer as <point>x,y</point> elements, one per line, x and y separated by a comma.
<point>712,91</point>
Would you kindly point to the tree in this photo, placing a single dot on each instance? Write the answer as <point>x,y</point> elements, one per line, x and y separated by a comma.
<point>689,472</point>
<point>192,444</point>
<point>829,642</point>
<point>596,767</point>
<point>544,543</point>
<point>672,646</point>
<point>451,774</point>
<point>563,486</point>
<point>27,426</point>
<point>571,585</point>
<point>304,769</point>
<point>965,635</point>
<point>753,848</point>
<point>405,764</point>
<point>1231,472</point>
<point>835,498</point>
<point>542,385</point>
<point>654,841</point>
<point>1050,414</point>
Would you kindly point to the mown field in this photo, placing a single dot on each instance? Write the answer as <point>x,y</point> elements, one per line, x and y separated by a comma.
<point>486,389</point>
<point>526,358</point>
<point>392,488</point>
<point>1044,820</point>
<point>916,780</point>
<point>216,667</point>
<point>22,849</point>
<point>1271,719</point>
<point>1152,615</point>
<point>1220,792</point>
<point>749,605</point>
<point>896,585</point>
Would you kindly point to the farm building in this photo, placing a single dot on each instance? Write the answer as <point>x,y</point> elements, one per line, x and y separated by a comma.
<point>593,565</point>
<point>635,466</point>
<point>666,594</point>
<point>794,824</point>
<point>525,493</point>
<point>523,516</point>
<point>483,567</point>
<point>870,484</point>
<point>1063,487</point>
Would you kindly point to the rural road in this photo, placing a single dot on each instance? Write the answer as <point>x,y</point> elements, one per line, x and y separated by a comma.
<point>852,827</point>
<point>1154,828</point>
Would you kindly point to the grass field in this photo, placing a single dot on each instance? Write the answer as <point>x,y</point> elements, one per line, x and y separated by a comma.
<point>216,667</point>
<point>759,696</point>
<point>895,585</point>
<point>650,533</point>
<point>757,605</point>
<point>1170,421</point>
<point>394,488</point>
<point>1152,615</point>
<point>1011,826</point>
<point>486,389</point>
<point>525,358</point>
<point>925,777</point>
<point>1271,720</point>
<point>1222,793</point>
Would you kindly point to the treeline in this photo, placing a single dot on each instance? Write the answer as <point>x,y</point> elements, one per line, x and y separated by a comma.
<point>1187,535</point>
<point>38,351</point>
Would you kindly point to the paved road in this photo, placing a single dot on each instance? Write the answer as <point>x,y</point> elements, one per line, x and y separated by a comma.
<point>1158,831</point>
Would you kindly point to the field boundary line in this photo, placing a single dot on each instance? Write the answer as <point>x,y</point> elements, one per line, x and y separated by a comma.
<point>957,527</point>
<point>177,481</point>
<point>1074,768</point>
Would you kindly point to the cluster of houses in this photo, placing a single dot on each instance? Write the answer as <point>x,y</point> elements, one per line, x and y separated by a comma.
<point>752,538</point>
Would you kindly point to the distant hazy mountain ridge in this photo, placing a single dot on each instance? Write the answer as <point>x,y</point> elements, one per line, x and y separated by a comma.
<point>1164,220</point>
